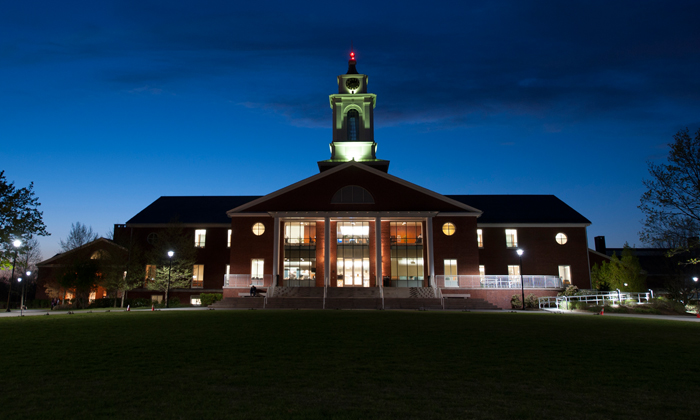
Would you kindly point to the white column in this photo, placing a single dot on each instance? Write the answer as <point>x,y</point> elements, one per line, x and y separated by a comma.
<point>431,254</point>
<point>378,248</point>
<point>327,251</point>
<point>276,251</point>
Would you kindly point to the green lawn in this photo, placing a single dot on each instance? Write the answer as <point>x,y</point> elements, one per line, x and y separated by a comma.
<point>347,365</point>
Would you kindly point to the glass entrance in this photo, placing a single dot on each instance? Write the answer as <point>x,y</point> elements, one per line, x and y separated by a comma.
<point>352,262</point>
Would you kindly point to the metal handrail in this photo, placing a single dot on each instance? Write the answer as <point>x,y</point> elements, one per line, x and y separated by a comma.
<point>499,282</point>
<point>547,302</point>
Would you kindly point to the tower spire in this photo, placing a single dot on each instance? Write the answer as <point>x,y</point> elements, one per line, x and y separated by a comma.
<point>352,62</point>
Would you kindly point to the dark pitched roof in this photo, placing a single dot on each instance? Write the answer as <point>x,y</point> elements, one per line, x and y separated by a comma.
<point>496,208</point>
<point>521,209</point>
<point>190,209</point>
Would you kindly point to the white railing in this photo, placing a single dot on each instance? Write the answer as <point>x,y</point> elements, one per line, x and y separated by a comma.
<point>602,298</point>
<point>245,281</point>
<point>499,282</point>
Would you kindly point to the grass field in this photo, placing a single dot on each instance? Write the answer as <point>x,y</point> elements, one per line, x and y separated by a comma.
<point>347,365</point>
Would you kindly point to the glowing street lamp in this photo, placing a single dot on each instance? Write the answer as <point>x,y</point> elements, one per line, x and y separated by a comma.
<point>522,284</point>
<point>21,301</point>
<point>17,243</point>
<point>167,289</point>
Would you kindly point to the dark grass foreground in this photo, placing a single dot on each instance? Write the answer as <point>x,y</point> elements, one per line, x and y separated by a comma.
<point>347,365</point>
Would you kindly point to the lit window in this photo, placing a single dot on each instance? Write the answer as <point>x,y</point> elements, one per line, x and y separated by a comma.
<point>229,238</point>
<point>482,271</point>
<point>195,300</point>
<point>565,274</point>
<point>514,270</point>
<point>198,276</point>
<point>511,238</point>
<point>561,238</point>
<point>258,229</point>
<point>150,272</point>
<point>100,254</point>
<point>257,270</point>
<point>200,237</point>
<point>156,298</point>
<point>448,229</point>
<point>451,273</point>
<point>480,238</point>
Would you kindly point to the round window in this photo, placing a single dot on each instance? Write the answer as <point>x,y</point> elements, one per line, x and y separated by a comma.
<point>561,238</point>
<point>152,238</point>
<point>258,229</point>
<point>448,229</point>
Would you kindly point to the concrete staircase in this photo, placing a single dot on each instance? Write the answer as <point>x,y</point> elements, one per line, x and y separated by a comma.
<point>239,303</point>
<point>298,292</point>
<point>469,304</point>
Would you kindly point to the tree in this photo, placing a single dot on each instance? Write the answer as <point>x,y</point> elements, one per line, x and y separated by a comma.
<point>19,217</point>
<point>78,236</point>
<point>82,276</point>
<point>671,204</point>
<point>174,238</point>
<point>623,273</point>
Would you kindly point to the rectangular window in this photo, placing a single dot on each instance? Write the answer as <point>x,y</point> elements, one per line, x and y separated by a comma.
<point>229,239</point>
<point>198,276</point>
<point>150,273</point>
<point>514,271</point>
<point>482,271</point>
<point>200,237</point>
<point>480,238</point>
<point>299,254</point>
<point>156,298</point>
<point>451,279</point>
<point>257,270</point>
<point>511,238</point>
<point>406,241</point>
<point>195,300</point>
<point>565,274</point>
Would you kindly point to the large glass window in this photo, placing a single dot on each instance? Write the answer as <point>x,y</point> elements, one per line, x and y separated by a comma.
<point>565,274</point>
<point>229,239</point>
<point>406,254</point>
<point>300,254</point>
<point>198,276</point>
<point>480,238</point>
<point>451,279</point>
<point>352,264</point>
<point>511,238</point>
<point>353,125</point>
<point>257,271</point>
<point>514,272</point>
<point>200,237</point>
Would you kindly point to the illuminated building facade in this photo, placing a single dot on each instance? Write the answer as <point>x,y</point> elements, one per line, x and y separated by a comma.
<point>354,225</point>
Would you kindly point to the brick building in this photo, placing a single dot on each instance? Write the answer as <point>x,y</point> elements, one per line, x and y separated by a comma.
<point>354,225</point>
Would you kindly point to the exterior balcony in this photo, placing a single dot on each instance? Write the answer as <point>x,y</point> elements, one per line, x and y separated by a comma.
<point>499,282</point>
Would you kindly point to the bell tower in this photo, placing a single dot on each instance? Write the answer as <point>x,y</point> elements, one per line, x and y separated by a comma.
<point>353,122</point>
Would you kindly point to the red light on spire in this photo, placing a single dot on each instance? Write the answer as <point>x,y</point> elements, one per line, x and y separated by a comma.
<point>352,55</point>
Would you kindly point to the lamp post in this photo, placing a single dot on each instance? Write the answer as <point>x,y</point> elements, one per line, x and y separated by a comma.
<point>21,313</point>
<point>17,243</point>
<point>522,284</point>
<point>170,267</point>
<point>697,298</point>
<point>21,302</point>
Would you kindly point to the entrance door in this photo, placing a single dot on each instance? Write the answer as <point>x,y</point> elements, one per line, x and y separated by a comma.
<point>354,272</point>
<point>352,253</point>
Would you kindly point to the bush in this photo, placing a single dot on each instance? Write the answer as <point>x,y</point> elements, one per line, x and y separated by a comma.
<point>515,302</point>
<point>666,305</point>
<point>532,301</point>
<point>209,298</point>
<point>570,290</point>
<point>104,303</point>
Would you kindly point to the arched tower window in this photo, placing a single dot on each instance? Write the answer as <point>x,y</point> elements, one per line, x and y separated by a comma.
<point>353,125</point>
<point>352,194</point>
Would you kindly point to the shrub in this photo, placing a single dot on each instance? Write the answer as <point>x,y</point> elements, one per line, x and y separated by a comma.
<point>570,290</point>
<point>531,301</point>
<point>666,305</point>
<point>209,298</point>
<point>515,302</point>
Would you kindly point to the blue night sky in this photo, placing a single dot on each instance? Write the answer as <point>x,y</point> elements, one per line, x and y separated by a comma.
<point>108,105</point>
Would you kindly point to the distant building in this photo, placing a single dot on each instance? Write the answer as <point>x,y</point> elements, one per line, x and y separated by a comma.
<point>353,225</point>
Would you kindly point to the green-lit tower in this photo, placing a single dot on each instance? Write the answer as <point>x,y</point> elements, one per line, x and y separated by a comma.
<point>353,122</point>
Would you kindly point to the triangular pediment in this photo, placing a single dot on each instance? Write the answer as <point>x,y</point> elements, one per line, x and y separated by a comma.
<point>99,244</point>
<point>389,193</point>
